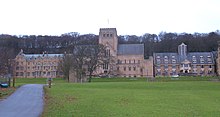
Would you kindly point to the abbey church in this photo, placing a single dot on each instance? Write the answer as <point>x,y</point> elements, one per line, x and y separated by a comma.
<point>129,58</point>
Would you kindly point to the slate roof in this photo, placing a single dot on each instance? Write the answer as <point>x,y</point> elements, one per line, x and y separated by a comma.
<point>35,56</point>
<point>189,57</point>
<point>131,49</point>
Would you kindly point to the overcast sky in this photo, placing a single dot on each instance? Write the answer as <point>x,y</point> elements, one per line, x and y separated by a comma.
<point>55,17</point>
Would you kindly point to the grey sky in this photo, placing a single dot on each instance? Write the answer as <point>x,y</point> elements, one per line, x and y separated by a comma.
<point>55,17</point>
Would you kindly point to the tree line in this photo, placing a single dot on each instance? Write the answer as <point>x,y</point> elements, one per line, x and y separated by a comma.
<point>10,45</point>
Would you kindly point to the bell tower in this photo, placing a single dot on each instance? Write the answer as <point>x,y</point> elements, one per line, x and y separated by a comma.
<point>108,37</point>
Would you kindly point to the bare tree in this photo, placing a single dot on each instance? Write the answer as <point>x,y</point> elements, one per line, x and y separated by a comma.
<point>96,56</point>
<point>66,64</point>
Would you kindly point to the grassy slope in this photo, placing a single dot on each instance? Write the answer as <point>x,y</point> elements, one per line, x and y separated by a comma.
<point>133,99</point>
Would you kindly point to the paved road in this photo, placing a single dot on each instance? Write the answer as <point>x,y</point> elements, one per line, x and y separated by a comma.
<point>27,101</point>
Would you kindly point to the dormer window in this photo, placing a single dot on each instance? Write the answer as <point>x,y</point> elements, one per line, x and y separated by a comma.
<point>173,60</point>
<point>201,59</point>
<point>209,59</point>
<point>165,59</point>
<point>194,59</point>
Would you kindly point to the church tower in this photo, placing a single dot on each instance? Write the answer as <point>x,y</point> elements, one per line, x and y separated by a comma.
<point>108,37</point>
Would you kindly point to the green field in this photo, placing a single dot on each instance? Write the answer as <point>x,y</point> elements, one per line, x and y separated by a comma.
<point>133,98</point>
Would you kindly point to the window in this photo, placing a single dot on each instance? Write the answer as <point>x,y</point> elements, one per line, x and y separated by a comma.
<point>202,66</point>
<point>33,73</point>
<point>134,68</point>
<point>22,68</point>
<point>158,61</point>
<point>194,59</point>
<point>124,68</point>
<point>107,35</point>
<point>28,74</point>
<point>110,35</point>
<point>21,74</point>
<point>210,66</point>
<point>134,60</point>
<point>186,65</point>
<point>118,68</point>
<point>165,59</point>
<point>141,70</point>
<point>103,35</point>
<point>194,66</point>
<point>17,73</point>
<point>173,60</point>
<point>209,59</point>
<point>105,66</point>
<point>201,59</point>
<point>118,61</point>
<point>129,68</point>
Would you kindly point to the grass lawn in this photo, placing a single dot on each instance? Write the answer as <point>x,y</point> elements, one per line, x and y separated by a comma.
<point>133,98</point>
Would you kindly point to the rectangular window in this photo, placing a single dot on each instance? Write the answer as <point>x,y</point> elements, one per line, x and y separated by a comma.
<point>173,60</point>
<point>28,73</point>
<point>124,68</point>
<point>134,68</point>
<point>194,59</point>
<point>209,59</point>
<point>129,68</point>
<point>33,74</point>
<point>202,66</point>
<point>118,68</point>
<point>141,70</point>
<point>21,74</point>
<point>158,61</point>
<point>17,73</point>
<point>201,59</point>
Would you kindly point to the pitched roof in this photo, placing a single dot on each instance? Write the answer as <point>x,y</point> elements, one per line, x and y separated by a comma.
<point>35,56</point>
<point>131,49</point>
<point>207,56</point>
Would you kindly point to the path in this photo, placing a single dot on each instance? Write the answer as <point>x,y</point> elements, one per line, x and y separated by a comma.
<point>26,101</point>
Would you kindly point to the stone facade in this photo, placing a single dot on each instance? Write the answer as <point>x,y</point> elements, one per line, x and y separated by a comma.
<point>37,65</point>
<point>184,63</point>
<point>218,60</point>
<point>128,58</point>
